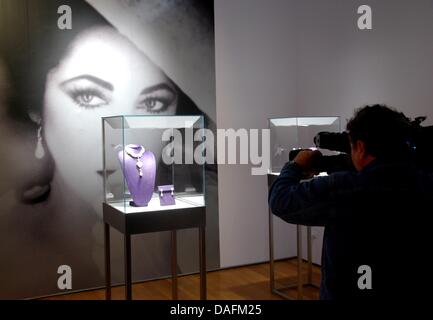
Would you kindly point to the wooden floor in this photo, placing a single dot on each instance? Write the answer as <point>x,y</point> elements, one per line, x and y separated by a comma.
<point>249,282</point>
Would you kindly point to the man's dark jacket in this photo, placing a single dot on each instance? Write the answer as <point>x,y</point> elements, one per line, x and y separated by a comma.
<point>377,217</point>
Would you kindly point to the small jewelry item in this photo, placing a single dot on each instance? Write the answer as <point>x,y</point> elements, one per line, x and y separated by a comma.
<point>162,191</point>
<point>131,150</point>
<point>166,195</point>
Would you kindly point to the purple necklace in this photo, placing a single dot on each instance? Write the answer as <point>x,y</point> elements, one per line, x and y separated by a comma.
<point>136,151</point>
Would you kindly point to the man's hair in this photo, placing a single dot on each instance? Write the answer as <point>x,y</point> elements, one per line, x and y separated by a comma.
<point>385,131</point>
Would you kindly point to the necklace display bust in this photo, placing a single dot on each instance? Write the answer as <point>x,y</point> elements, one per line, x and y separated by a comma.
<point>139,170</point>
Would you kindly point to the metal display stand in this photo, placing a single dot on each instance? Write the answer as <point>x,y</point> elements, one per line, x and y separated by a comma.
<point>145,222</point>
<point>300,284</point>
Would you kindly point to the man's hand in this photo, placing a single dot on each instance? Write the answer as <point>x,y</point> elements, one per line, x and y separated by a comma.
<point>307,160</point>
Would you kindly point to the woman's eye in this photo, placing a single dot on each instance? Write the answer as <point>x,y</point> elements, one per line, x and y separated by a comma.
<point>89,99</point>
<point>157,99</point>
<point>154,104</point>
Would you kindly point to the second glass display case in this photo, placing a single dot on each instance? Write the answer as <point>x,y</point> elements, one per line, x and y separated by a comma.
<point>288,134</point>
<point>153,163</point>
<point>297,133</point>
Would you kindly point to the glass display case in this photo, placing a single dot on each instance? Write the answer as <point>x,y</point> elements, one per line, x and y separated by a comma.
<point>153,163</point>
<point>288,134</point>
<point>293,133</point>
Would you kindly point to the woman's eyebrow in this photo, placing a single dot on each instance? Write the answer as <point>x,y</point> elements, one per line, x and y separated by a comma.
<point>98,81</point>
<point>161,86</point>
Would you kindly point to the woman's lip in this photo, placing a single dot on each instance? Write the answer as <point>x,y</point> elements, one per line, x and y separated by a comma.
<point>108,172</point>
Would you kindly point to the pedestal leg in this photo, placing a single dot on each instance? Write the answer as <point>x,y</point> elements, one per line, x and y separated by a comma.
<point>128,277</point>
<point>299,253</point>
<point>271,252</point>
<point>107,262</point>
<point>310,256</point>
<point>174,265</point>
<point>202,245</point>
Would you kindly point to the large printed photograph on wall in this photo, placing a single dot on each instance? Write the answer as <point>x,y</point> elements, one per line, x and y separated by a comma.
<point>58,78</point>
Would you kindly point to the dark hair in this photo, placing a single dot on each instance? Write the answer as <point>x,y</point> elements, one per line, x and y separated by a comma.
<point>384,130</point>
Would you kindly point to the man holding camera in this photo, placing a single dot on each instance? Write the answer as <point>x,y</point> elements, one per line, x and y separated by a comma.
<point>372,215</point>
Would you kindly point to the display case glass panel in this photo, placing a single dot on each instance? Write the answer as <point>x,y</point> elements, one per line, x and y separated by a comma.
<point>153,163</point>
<point>293,133</point>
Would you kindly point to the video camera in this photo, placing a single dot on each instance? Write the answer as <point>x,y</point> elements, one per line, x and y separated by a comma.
<point>419,141</point>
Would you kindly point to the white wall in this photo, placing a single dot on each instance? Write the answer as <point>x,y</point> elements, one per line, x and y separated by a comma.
<point>288,58</point>
<point>341,67</point>
<point>255,76</point>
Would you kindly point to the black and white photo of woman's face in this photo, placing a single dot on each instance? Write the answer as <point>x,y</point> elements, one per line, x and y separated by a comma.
<point>102,74</point>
